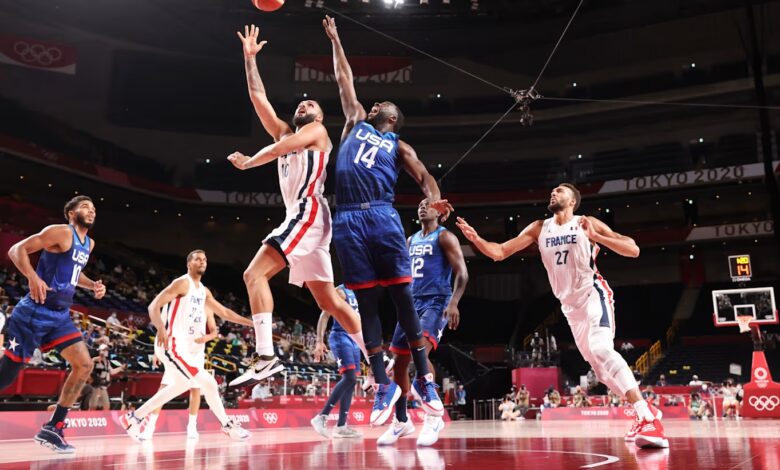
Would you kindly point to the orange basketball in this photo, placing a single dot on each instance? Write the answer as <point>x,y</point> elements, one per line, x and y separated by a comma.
<point>268,5</point>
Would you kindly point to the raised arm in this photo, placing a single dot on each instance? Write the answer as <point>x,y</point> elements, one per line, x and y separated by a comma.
<point>451,247</point>
<point>353,110</point>
<point>499,252</point>
<point>427,183</point>
<point>177,288</point>
<point>223,312</point>
<point>599,232</point>
<point>271,122</point>
<point>55,238</point>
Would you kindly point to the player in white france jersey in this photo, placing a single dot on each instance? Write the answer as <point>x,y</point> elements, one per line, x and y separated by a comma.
<point>568,245</point>
<point>183,314</point>
<point>302,241</point>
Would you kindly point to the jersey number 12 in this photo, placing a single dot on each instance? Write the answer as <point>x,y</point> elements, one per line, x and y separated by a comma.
<point>366,156</point>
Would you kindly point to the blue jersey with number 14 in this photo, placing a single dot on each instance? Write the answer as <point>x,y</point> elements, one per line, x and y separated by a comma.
<point>431,272</point>
<point>367,166</point>
<point>61,271</point>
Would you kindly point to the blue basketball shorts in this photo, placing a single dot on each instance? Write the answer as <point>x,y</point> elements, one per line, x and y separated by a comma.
<point>430,309</point>
<point>34,326</point>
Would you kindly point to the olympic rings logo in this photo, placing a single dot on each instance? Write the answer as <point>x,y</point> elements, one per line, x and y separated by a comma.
<point>271,417</point>
<point>359,416</point>
<point>760,373</point>
<point>37,53</point>
<point>764,403</point>
<point>630,412</point>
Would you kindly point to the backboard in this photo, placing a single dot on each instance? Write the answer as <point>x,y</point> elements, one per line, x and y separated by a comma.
<point>758,302</point>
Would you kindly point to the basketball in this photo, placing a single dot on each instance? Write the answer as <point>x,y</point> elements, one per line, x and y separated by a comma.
<point>268,5</point>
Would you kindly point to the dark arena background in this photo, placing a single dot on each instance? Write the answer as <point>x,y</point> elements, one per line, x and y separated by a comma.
<point>664,114</point>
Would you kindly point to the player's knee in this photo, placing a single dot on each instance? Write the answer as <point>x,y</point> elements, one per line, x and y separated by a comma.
<point>349,377</point>
<point>250,277</point>
<point>83,367</point>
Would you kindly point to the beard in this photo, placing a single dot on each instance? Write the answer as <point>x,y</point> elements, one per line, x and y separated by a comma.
<point>81,221</point>
<point>299,121</point>
<point>555,207</point>
<point>379,119</point>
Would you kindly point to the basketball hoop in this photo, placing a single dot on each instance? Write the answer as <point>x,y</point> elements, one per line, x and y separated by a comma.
<point>744,322</point>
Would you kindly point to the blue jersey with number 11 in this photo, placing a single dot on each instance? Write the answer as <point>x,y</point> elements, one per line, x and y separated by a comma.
<point>367,166</point>
<point>61,271</point>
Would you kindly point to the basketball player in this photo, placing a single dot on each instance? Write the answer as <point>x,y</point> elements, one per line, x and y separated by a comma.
<point>368,234</point>
<point>436,256</point>
<point>303,239</point>
<point>181,313</point>
<point>195,396</point>
<point>41,319</point>
<point>347,357</point>
<point>568,245</point>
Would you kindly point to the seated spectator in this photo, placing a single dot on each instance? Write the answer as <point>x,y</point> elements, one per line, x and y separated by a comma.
<point>507,409</point>
<point>698,408</point>
<point>730,402</point>
<point>112,319</point>
<point>695,382</point>
<point>626,346</point>
<point>580,399</point>
<point>661,381</point>
<point>523,400</point>
<point>613,399</point>
<point>261,391</point>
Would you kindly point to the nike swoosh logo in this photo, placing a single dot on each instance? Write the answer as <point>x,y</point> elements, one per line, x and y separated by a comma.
<point>397,433</point>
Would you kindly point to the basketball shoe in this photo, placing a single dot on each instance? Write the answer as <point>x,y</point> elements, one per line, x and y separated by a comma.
<point>651,435</point>
<point>346,432</point>
<point>424,389</point>
<point>320,424</point>
<point>386,396</point>
<point>396,431</point>
<point>260,367</point>
<point>134,426</point>
<point>430,431</point>
<point>235,431</point>
<point>631,434</point>
<point>51,436</point>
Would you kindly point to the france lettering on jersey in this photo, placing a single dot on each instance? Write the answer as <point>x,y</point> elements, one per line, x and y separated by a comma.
<point>431,272</point>
<point>61,271</point>
<point>185,320</point>
<point>367,166</point>
<point>352,301</point>
<point>570,259</point>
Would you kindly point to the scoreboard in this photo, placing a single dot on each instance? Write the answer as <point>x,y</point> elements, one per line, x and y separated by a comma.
<point>740,268</point>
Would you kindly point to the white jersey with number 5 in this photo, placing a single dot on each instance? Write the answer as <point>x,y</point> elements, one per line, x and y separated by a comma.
<point>570,259</point>
<point>185,320</point>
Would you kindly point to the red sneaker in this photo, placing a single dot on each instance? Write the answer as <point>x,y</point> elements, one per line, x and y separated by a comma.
<point>631,434</point>
<point>651,434</point>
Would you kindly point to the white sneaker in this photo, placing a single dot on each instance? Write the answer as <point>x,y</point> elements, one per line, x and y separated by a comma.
<point>235,431</point>
<point>135,427</point>
<point>346,432</point>
<point>430,459</point>
<point>261,367</point>
<point>192,431</point>
<point>395,431</point>
<point>430,431</point>
<point>320,424</point>
<point>148,433</point>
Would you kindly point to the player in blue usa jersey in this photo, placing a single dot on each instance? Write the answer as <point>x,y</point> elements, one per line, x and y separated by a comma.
<point>42,320</point>
<point>367,230</point>
<point>436,259</point>
<point>347,355</point>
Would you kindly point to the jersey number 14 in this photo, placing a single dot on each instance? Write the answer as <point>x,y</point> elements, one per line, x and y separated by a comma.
<point>366,156</point>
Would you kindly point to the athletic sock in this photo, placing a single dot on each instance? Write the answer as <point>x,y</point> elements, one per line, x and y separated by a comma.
<point>58,417</point>
<point>377,362</point>
<point>420,359</point>
<point>193,421</point>
<point>264,340</point>
<point>643,411</point>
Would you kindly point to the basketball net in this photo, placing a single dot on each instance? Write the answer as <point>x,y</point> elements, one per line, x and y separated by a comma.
<point>744,322</point>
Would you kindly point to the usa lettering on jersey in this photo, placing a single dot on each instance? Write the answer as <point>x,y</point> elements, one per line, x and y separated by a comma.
<point>421,250</point>
<point>80,257</point>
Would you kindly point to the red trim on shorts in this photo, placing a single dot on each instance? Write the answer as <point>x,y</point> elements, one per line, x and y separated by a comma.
<point>395,281</point>
<point>362,285</point>
<point>312,215</point>
<point>16,358</point>
<point>192,370</point>
<point>349,367</point>
<point>60,340</point>
<point>173,316</point>
<point>432,339</point>
<point>401,351</point>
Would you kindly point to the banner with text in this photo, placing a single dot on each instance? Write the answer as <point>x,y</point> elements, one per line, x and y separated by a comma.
<point>763,228</point>
<point>366,69</point>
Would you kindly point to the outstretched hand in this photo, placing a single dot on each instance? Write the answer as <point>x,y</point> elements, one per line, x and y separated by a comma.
<point>249,39</point>
<point>468,231</point>
<point>238,160</point>
<point>330,28</point>
<point>587,227</point>
<point>443,207</point>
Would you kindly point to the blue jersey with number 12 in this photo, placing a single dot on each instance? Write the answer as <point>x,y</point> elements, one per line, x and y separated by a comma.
<point>61,271</point>
<point>367,166</point>
<point>431,272</point>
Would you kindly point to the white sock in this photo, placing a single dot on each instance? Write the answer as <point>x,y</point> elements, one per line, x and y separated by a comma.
<point>193,421</point>
<point>152,421</point>
<point>210,391</point>
<point>643,411</point>
<point>358,339</point>
<point>264,340</point>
